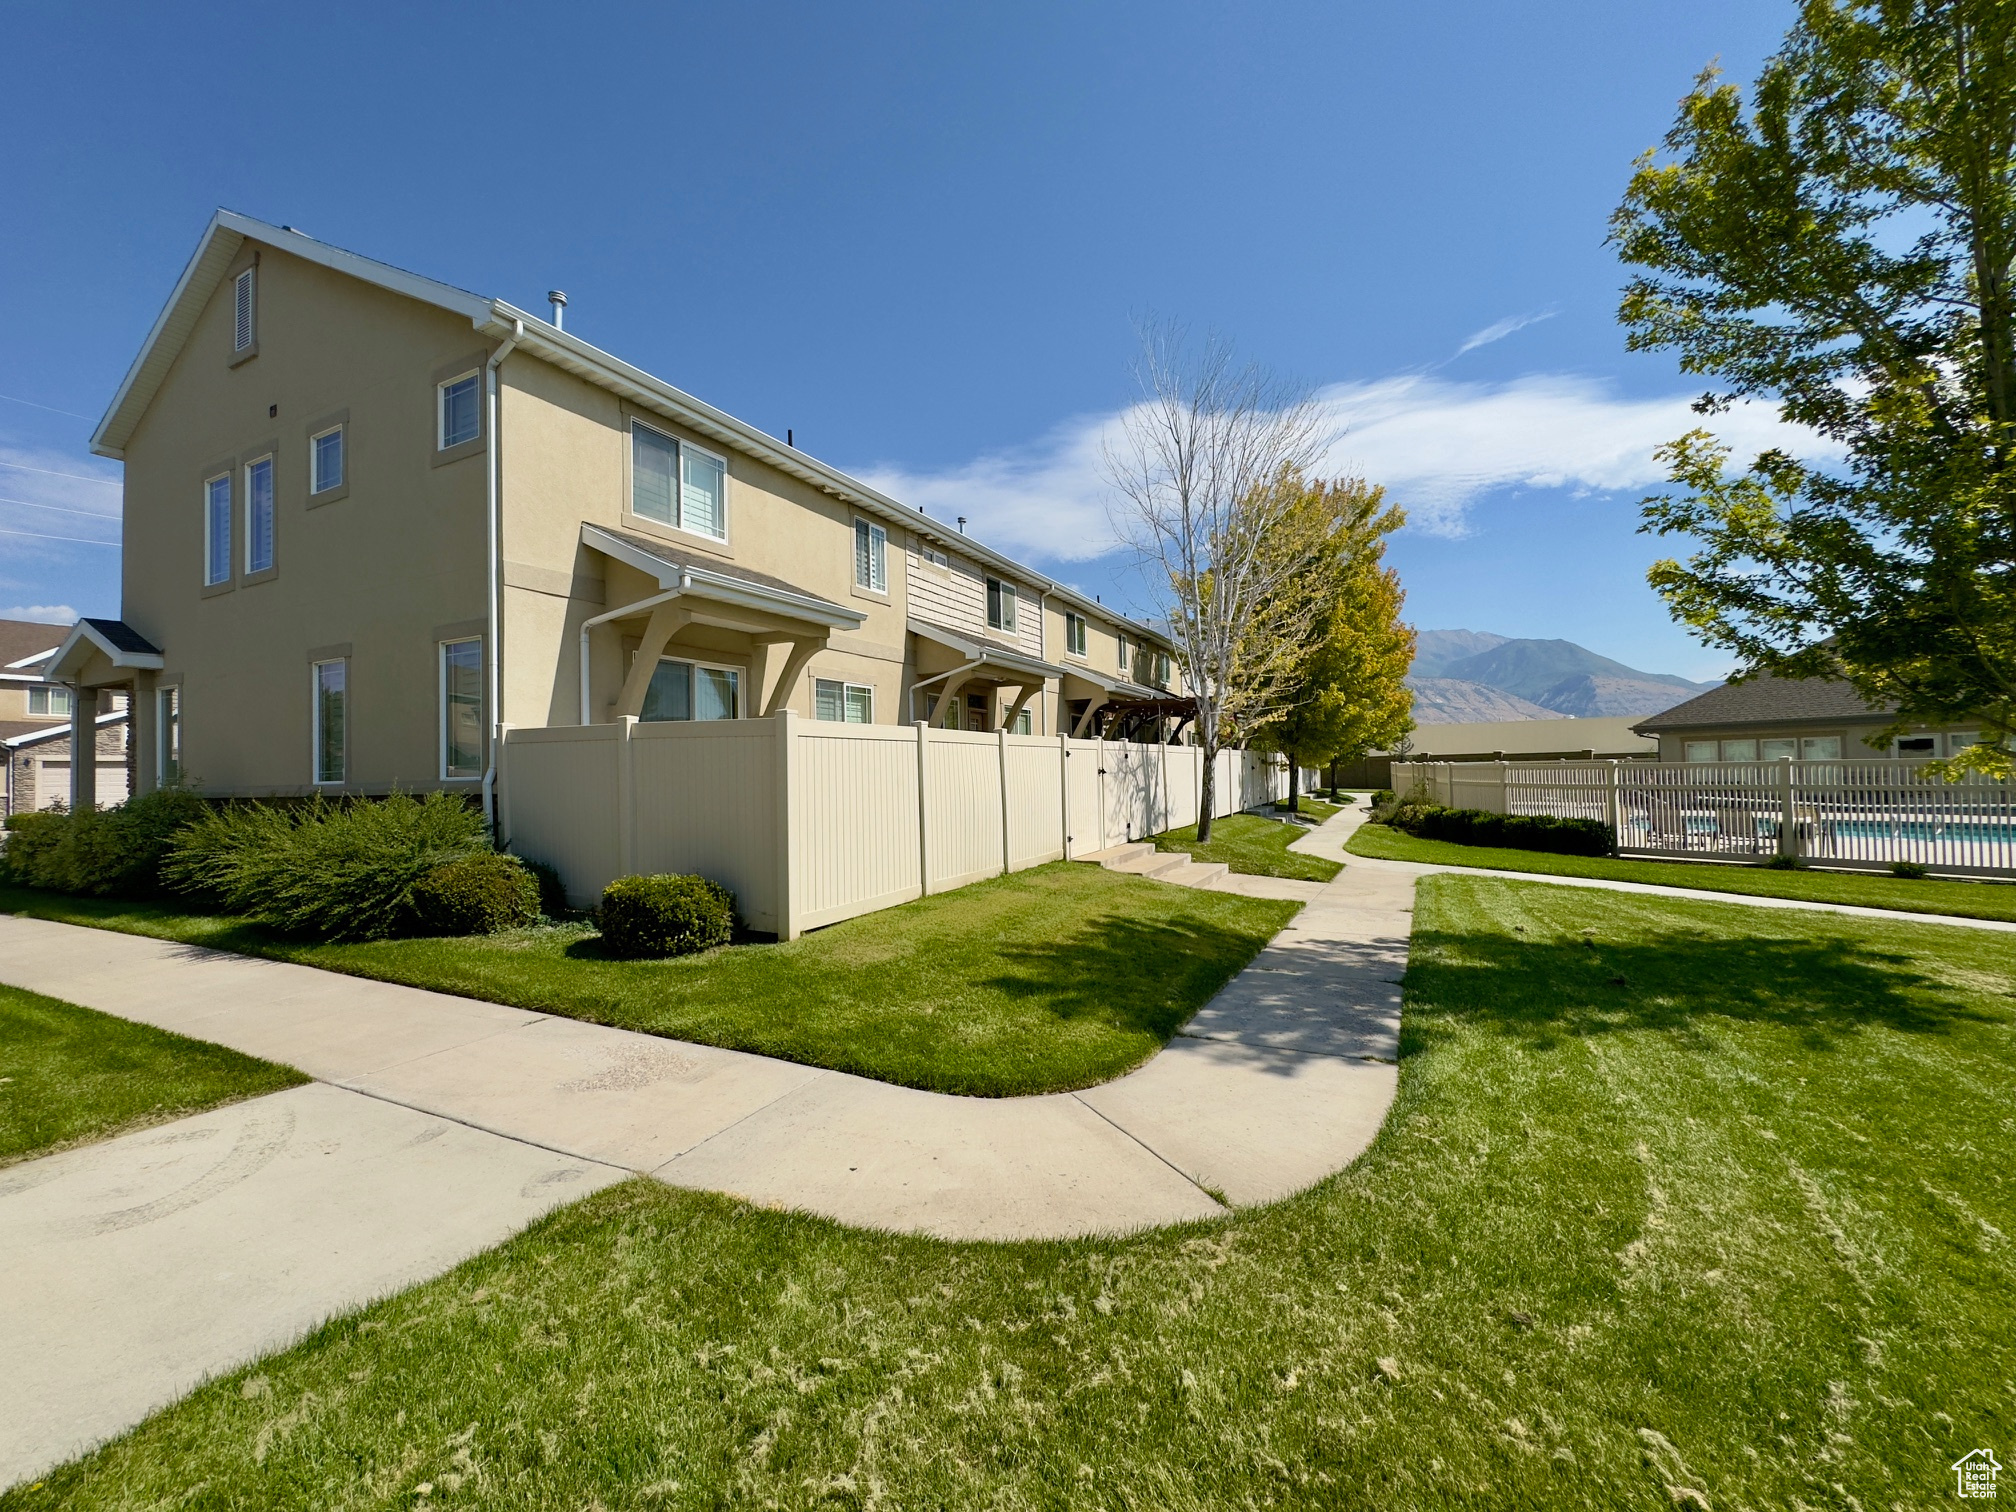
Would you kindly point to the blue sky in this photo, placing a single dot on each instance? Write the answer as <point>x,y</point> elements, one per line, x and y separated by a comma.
<point>919,236</point>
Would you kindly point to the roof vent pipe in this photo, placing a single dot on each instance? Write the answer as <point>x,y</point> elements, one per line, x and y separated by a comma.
<point>962,524</point>
<point>558,298</point>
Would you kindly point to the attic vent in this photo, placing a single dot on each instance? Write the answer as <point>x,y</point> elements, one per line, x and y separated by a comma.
<point>242,339</point>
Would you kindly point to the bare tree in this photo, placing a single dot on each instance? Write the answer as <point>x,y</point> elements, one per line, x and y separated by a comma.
<point>1204,470</point>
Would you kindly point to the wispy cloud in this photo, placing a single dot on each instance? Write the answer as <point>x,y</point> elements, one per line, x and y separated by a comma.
<point>1498,330</point>
<point>41,614</point>
<point>54,501</point>
<point>1437,446</point>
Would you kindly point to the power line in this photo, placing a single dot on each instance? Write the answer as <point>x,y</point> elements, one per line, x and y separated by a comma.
<point>89,514</point>
<point>49,407</point>
<point>41,536</point>
<point>80,477</point>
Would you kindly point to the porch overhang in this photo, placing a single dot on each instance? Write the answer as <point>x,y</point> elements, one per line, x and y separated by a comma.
<point>988,656</point>
<point>699,583</point>
<point>93,644</point>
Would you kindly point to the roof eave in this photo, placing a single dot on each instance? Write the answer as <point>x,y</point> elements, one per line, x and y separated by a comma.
<point>720,586</point>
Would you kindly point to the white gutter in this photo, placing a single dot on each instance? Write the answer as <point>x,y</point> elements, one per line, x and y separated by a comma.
<point>492,662</point>
<point>919,687</point>
<point>685,582</point>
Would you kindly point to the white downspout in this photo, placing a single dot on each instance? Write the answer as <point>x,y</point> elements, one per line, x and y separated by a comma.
<point>685,582</point>
<point>492,676</point>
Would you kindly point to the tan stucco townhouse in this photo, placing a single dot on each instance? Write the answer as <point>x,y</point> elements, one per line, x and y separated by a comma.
<point>372,518</point>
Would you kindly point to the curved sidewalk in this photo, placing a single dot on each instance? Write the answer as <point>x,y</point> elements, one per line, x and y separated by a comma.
<point>1281,1079</point>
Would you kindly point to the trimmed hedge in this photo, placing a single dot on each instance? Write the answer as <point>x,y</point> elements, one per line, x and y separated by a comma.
<point>475,894</point>
<point>114,853</point>
<point>323,870</point>
<point>1534,832</point>
<point>665,915</point>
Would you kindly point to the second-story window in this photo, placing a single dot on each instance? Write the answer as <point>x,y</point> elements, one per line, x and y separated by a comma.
<point>1161,669</point>
<point>676,483</point>
<point>461,414</point>
<point>871,557</point>
<point>325,460</point>
<point>1000,605</point>
<point>259,515</point>
<point>217,530</point>
<point>1074,634</point>
<point>51,703</point>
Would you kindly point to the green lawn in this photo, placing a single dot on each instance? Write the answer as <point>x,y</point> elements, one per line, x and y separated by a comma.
<point>1255,845</point>
<point>1681,1206</point>
<point>69,1075</point>
<point>1058,977</point>
<point>1967,900</point>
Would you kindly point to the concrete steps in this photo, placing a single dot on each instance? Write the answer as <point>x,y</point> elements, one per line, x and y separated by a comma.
<point>1140,858</point>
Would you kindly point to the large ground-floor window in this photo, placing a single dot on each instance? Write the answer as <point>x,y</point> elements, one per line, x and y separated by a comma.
<point>461,709</point>
<point>692,690</point>
<point>331,732</point>
<point>843,702</point>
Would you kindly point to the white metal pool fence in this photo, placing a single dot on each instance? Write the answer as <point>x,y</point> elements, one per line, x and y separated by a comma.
<point>1861,815</point>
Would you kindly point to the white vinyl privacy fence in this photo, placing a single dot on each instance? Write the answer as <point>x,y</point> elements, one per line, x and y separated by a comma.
<point>1864,815</point>
<point>809,822</point>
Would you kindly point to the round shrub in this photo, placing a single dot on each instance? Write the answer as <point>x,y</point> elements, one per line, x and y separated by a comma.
<point>480,893</point>
<point>665,915</point>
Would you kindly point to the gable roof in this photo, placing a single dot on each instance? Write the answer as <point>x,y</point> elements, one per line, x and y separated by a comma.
<point>23,640</point>
<point>1765,699</point>
<point>755,590</point>
<point>228,231</point>
<point>122,644</point>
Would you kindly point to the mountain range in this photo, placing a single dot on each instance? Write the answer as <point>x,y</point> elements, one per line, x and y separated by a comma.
<point>1473,676</point>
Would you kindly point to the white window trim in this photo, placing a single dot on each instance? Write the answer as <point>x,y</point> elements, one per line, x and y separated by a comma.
<point>210,532</point>
<point>1083,648</point>
<point>441,705</point>
<point>845,688</point>
<point>679,448</point>
<point>164,698</point>
<point>1011,618</point>
<point>273,493</point>
<point>315,722</point>
<point>876,532</point>
<point>49,697</point>
<point>441,441</point>
<point>740,674</point>
<point>315,486</point>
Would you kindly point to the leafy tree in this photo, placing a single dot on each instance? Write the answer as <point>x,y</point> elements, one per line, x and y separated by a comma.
<point>1845,246</point>
<point>1349,696</point>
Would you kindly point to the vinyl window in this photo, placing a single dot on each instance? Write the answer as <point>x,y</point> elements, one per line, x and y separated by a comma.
<point>259,515</point>
<point>168,735</point>
<point>217,530</point>
<point>331,722</point>
<point>1820,748</point>
<point>1023,724</point>
<point>1778,750</point>
<point>676,483</point>
<point>1739,750</point>
<point>461,709</point>
<point>244,311</point>
<point>461,414</point>
<point>53,702</point>
<point>871,557</point>
<point>681,690</point>
<point>1000,605</point>
<point>325,460</point>
<point>842,702</point>
<point>1074,634</point>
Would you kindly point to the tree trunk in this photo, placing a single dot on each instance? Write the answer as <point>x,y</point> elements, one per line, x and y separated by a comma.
<point>1294,793</point>
<point>1206,794</point>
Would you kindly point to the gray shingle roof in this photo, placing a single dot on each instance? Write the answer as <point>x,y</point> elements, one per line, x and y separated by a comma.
<point>1764,699</point>
<point>19,638</point>
<point>672,556</point>
<point>122,636</point>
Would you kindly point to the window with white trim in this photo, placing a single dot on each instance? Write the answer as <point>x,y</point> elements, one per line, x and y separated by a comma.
<point>871,557</point>
<point>168,735</point>
<point>1000,605</point>
<point>217,530</point>
<point>259,515</point>
<point>682,690</point>
<point>1023,724</point>
<point>460,410</point>
<point>676,483</point>
<point>53,703</point>
<point>1820,748</point>
<point>325,460</point>
<point>461,709</point>
<point>331,719</point>
<point>842,702</point>
<point>1784,749</point>
<point>1074,633</point>
<point>244,311</point>
<point>1739,750</point>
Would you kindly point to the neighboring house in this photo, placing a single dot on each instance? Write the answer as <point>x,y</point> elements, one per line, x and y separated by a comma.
<point>35,725</point>
<point>1605,737</point>
<point>371,519</point>
<point>1766,718</point>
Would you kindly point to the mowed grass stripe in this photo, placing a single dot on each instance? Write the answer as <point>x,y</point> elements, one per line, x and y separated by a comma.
<point>1715,1234</point>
